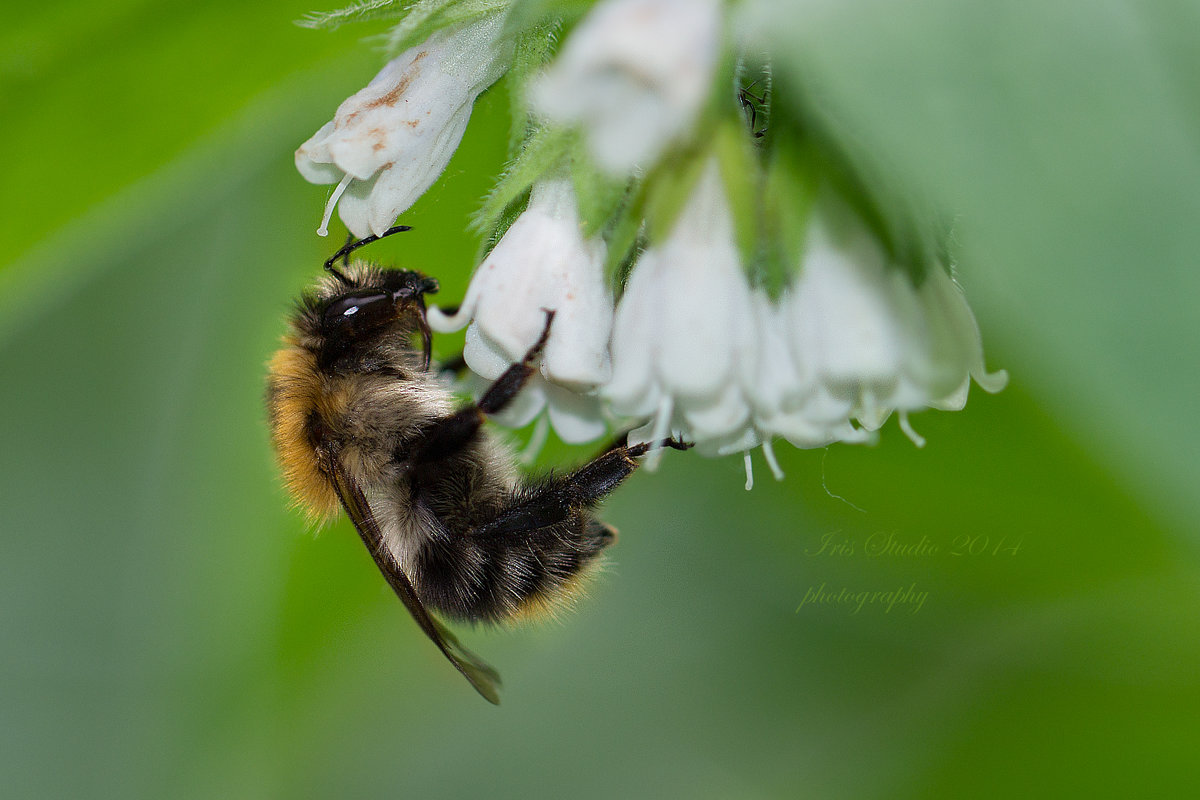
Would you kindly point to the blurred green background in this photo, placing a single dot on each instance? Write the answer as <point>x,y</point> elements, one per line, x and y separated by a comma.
<point>171,629</point>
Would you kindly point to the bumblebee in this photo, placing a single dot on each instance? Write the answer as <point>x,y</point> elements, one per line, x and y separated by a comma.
<point>360,422</point>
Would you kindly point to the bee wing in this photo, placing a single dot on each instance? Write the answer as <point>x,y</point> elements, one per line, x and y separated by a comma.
<point>484,678</point>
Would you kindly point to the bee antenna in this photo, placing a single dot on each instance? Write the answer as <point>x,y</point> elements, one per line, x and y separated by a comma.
<point>351,246</point>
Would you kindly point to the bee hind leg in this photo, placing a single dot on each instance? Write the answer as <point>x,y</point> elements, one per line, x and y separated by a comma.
<point>559,498</point>
<point>531,553</point>
<point>596,479</point>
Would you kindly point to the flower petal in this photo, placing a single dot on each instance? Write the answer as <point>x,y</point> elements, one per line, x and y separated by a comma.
<point>396,135</point>
<point>576,417</point>
<point>634,73</point>
<point>483,356</point>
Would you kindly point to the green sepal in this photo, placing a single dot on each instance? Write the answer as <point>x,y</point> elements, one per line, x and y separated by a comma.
<point>789,193</point>
<point>887,214</point>
<point>598,196</point>
<point>741,177</point>
<point>624,235</point>
<point>507,217</point>
<point>669,187</point>
<point>543,151</point>
<point>426,17</point>
<point>908,233</point>
<point>527,13</point>
<point>358,12</point>
<point>533,50</point>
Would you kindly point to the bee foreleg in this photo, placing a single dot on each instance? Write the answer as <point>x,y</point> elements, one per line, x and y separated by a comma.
<point>505,388</point>
<point>447,436</point>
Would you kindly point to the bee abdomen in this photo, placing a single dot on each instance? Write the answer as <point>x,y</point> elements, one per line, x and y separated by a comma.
<point>491,578</point>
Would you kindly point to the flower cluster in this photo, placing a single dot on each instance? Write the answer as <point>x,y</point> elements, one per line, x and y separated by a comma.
<point>725,282</point>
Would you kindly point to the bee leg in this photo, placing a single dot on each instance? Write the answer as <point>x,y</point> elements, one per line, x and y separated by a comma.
<point>448,435</point>
<point>617,442</point>
<point>556,500</point>
<point>505,388</point>
<point>596,479</point>
<point>533,548</point>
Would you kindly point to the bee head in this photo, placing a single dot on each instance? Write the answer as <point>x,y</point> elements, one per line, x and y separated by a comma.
<point>353,312</point>
<point>356,306</point>
<point>376,300</point>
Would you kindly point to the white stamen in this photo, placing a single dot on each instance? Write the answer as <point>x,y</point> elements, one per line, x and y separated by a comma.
<point>333,198</point>
<point>907,427</point>
<point>769,453</point>
<point>662,425</point>
<point>749,470</point>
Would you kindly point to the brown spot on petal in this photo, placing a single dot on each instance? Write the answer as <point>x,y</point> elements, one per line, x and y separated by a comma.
<point>397,92</point>
<point>379,135</point>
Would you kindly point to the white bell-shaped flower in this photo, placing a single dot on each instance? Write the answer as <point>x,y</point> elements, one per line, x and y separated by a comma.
<point>786,402</point>
<point>866,341</point>
<point>634,74</point>
<point>391,140</point>
<point>684,329</point>
<point>542,263</point>
<point>953,353</point>
<point>847,321</point>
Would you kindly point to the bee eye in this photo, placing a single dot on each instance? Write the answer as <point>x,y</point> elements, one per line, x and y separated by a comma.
<point>356,306</point>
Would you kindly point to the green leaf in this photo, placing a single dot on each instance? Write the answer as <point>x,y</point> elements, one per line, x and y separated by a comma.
<point>174,631</point>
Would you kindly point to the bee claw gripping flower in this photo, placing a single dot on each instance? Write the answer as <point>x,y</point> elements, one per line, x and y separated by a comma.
<point>391,140</point>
